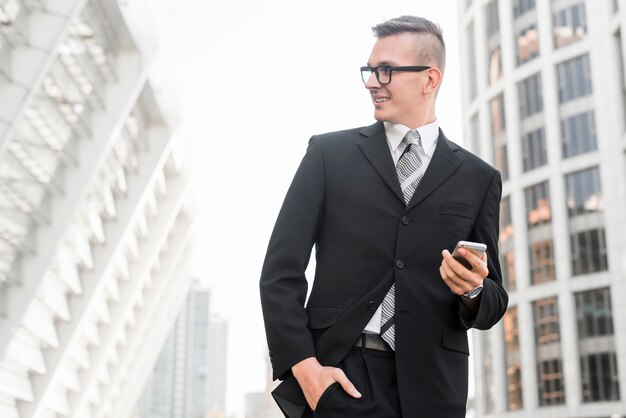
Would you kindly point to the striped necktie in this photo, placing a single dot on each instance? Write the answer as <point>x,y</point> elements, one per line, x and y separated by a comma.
<point>409,173</point>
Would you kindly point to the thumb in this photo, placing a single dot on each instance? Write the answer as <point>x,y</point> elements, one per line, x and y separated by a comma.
<point>341,378</point>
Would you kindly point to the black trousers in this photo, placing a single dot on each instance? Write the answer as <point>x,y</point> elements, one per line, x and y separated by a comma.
<point>373,372</point>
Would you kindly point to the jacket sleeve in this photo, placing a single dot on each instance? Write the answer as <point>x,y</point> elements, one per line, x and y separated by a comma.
<point>283,283</point>
<point>494,298</point>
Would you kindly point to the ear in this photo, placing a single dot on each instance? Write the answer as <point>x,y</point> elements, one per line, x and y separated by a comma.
<point>433,82</point>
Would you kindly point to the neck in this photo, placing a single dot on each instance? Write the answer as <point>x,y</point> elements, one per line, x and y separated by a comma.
<point>425,116</point>
<point>417,122</point>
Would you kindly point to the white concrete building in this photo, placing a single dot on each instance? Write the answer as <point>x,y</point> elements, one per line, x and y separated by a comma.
<point>545,100</point>
<point>93,229</point>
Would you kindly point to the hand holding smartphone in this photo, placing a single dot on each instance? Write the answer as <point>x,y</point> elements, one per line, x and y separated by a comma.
<point>475,247</point>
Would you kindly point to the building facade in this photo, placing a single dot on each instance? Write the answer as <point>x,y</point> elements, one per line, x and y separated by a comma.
<point>545,101</point>
<point>93,225</point>
<point>189,377</point>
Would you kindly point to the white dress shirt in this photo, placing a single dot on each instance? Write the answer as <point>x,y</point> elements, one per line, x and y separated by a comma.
<point>395,133</point>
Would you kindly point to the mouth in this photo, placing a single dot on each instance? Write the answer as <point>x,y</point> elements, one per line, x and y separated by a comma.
<point>380,99</point>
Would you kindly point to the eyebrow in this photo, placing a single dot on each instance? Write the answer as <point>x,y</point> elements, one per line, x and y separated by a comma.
<point>385,63</point>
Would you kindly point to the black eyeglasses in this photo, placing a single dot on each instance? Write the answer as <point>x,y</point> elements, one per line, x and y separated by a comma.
<point>383,72</point>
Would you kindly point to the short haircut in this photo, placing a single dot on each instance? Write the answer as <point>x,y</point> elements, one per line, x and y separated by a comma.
<point>427,53</point>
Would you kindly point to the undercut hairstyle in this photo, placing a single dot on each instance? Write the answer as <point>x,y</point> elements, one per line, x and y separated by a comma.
<point>432,52</point>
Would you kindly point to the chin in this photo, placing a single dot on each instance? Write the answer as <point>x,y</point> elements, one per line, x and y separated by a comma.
<point>380,117</point>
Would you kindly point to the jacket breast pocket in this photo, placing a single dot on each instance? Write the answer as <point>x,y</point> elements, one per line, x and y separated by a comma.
<point>456,209</point>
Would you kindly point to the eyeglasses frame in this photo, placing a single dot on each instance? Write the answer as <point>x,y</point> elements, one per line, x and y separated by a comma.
<point>408,68</point>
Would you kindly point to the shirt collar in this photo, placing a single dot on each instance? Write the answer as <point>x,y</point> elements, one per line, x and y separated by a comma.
<point>429,134</point>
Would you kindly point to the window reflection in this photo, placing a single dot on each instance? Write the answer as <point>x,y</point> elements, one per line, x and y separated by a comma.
<point>498,127</point>
<point>522,6</point>
<point>527,44</point>
<point>541,261</point>
<point>507,256</point>
<point>512,360</point>
<point>494,65</point>
<point>598,362</point>
<point>530,96</point>
<point>550,381</point>
<point>538,217</point>
<point>569,24</point>
<point>538,204</point>
<point>579,134</point>
<point>584,192</point>
<point>589,253</point>
<point>574,78</point>
<point>534,149</point>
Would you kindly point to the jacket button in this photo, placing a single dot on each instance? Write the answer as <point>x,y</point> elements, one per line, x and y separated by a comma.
<point>372,305</point>
<point>399,263</point>
<point>405,220</point>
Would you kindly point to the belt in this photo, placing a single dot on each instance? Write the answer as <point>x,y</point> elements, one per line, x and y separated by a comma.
<point>372,341</point>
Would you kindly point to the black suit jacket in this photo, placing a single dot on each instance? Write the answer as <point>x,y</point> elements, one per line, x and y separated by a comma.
<point>346,200</point>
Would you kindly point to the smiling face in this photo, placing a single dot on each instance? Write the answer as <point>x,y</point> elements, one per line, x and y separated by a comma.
<point>409,98</point>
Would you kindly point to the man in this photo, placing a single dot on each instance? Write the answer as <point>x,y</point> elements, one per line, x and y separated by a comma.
<point>383,333</point>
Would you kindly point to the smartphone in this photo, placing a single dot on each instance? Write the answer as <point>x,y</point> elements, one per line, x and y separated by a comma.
<point>475,247</point>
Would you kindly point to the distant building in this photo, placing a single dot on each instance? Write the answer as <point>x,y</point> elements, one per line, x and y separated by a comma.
<point>261,404</point>
<point>217,361</point>
<point>189,377</point>
<point>545,100</point>
<point>94,228</point>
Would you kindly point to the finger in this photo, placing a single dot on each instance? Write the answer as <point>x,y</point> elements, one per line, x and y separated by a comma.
<point>462,278</point>
<point>341,378</point>
<point>478,263</point>
<point>451,280</point>
<point>455,269</point>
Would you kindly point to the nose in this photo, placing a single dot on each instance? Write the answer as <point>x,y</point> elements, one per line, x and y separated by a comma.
<point>372,82</point>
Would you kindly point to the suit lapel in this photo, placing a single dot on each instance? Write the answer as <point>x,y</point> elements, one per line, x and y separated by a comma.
<point>442,165</point>
<point>377,152</point>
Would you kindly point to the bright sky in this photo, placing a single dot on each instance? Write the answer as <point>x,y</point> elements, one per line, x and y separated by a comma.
<point>255,80</point>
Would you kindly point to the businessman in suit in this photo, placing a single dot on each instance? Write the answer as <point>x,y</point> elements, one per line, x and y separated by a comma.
<point>384,331</point>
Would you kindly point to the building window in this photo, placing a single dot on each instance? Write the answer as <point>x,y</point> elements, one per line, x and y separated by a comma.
<point>574,78</point>
<point>594,313</point>
<point>498,134</point>
<point>598,362</point>
<point>579,134</point>
<point>534,149</point>
<point>550,380</point>
<point>491,17</point>
<point>527,44</point>
<point>584,194</point>
<point>588,252</point>
<point>522,6</point>
<point>530,96</point>
<point>507,256</point>
<point>513,365</point>
<point>538,204</point>
<point>538,218</point>
<point>494,66</point>
<point>541,256</point>
<point>599,377</point>
<point>569,24</point>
